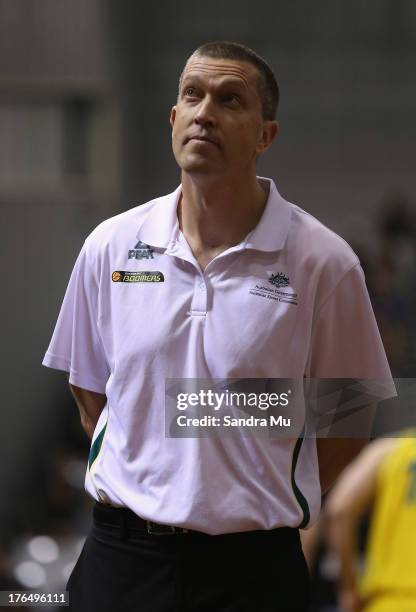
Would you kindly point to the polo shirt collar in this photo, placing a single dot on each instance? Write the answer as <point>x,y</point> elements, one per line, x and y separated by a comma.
<point>160,227</point>
<point>271,231</point>
<point>161,224</point>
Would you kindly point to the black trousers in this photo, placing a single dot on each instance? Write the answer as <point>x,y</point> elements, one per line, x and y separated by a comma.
<point>125,569</point>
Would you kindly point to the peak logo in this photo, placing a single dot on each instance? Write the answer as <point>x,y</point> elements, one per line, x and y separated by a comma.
<point>141,251</point>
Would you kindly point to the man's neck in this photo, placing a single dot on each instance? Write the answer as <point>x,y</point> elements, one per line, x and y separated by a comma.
<point>215,215</point>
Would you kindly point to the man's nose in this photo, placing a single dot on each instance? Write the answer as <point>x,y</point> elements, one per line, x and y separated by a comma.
<point>205,114</point>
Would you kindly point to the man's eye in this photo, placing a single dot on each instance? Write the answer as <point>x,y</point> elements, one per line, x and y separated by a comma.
<point>230,99</point>
<point>190,91</point>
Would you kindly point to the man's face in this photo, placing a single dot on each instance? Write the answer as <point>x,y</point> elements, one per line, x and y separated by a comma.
<point>217,122</point>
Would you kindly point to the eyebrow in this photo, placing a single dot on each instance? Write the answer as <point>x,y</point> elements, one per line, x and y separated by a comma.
<point>227,82</point>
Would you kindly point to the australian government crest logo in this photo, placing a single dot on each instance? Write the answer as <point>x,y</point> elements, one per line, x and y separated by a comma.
<point>141,251</point>
<point>279,281</point>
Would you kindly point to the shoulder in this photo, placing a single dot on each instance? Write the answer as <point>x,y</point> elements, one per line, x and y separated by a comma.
<point>120,226</point>
<point>378,449</point>
<point>123,231</point>
<point>318,245</point>
<point>324,260</point>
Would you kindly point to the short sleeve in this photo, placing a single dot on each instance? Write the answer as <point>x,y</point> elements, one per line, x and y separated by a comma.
<point>345,340</point>
<point>76,345</point>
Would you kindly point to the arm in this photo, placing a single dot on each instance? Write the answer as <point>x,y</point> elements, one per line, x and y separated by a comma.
<point>345,345</point>
<point>337,450</point>
<point>334,454</point>
<point>346,504</point>
<point>90,405</point>
<point>310,540</point>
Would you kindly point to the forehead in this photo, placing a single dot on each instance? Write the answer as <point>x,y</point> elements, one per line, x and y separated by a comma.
<point>212,69</point>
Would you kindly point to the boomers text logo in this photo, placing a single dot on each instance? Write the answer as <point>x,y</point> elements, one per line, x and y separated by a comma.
<point>124,276</point>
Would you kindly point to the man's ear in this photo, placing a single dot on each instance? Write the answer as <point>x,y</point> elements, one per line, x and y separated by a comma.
<point>269,132</point>
<point>172,115</point>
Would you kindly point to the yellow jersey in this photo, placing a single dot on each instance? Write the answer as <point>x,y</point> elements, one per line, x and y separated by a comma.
<point>390,566</point>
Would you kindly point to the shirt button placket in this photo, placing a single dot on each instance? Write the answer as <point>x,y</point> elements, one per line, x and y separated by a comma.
<point>199,300</point>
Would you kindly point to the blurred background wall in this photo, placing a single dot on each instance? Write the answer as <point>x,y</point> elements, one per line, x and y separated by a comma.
<point>85,92</point>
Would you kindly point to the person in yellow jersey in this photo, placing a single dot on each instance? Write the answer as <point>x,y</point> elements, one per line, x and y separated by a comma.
<point>383,474</point>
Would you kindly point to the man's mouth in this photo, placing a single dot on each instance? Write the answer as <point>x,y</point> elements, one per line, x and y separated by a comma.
<point>199,138</point>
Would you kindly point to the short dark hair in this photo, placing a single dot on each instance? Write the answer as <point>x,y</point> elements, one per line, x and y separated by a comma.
<point>267,85</point>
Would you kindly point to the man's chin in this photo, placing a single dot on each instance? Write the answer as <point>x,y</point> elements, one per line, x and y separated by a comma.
<point>201,167</point>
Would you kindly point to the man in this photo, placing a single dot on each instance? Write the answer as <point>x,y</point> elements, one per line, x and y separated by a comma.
<point>222,279</point>
<point>383,476</point>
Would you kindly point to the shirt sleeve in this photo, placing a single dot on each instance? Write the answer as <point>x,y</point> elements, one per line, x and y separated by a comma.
<point>76,345</point>
<point>345,340</point>
<point>348,366</point>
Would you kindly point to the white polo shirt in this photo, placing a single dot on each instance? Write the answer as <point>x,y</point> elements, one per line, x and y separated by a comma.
<point>124,339</point>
